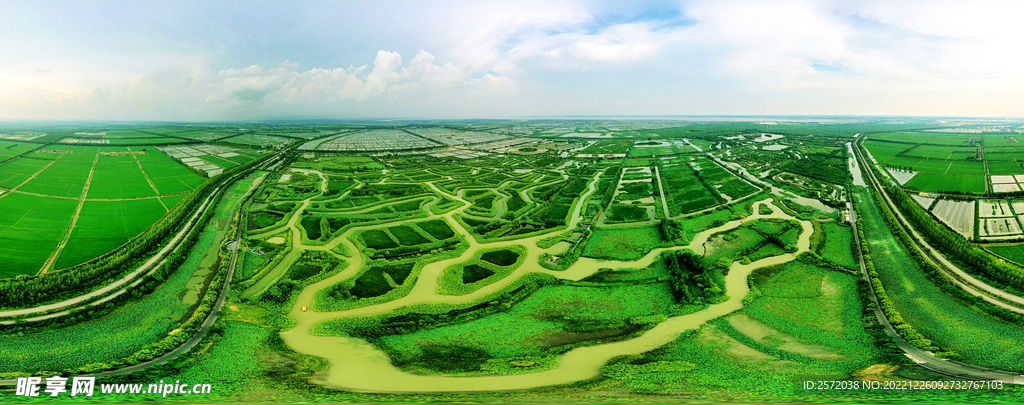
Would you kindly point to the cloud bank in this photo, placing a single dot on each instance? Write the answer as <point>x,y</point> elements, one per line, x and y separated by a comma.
<point>527,58</point>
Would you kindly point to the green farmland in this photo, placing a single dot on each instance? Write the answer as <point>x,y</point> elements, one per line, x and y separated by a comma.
<point>108,194</point>
<point>540,260</point>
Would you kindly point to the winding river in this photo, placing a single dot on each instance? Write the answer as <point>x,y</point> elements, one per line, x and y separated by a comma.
<point>356,365</point>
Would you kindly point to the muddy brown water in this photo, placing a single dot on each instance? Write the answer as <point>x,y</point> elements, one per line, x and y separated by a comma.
<point>357,365</point>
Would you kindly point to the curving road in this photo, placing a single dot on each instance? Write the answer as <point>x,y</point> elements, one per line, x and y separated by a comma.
<point>953,272</point>
<point>207,324</point>
<point>923,358</point>
<point>151,264</point>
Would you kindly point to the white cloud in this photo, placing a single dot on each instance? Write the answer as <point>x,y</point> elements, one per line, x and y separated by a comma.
<point>187,89</point>
<point>493,58</point>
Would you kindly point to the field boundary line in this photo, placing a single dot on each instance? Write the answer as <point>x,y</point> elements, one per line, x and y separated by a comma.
<point>148,180</point>
<point>74,220</point>
<point>661,190</point>
<point>958,276</point>
<point>13,190</point>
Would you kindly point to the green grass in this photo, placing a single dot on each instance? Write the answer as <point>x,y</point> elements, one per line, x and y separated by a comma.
<point>950,323</point>
<point>116,335</point>
<point>379,280</point>
<point>377,239</point>
<point>487,264</point>
<point>627,213</point>
<point>311,225</point>
<point>974,168</point>
<point>119,176</point>
<point>732,244</point>
<point>816,306</point>
<point>250,263</point>
<point>1004,168</point>
<point>608,147</point>
<point>168,175</point>
<point>105,225</point>
<point>407,236</point>
<point>9,149</point>
<point>838,245</point>
<point>622,243</point>
<point>64,178</point>
<point>437,228</point>
<point>15,172</point>
<point>30,229</point>
<point>550,317</point>
<point>932,166</point>
<point>514,203</point>
<point>240,362</point>
<point>684,191</point>
<point>503,257</point>
<point>933,182</point>
<point>635,191</point>
<point>263,219</point>
<point>1013,252</point>
<point>473,273</point>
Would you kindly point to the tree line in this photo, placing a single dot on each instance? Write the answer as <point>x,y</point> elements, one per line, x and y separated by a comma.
<point>962,249</point>
<point>24,291</point>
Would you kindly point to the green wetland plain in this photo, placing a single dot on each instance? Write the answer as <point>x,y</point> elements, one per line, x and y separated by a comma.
<point>541,261</point>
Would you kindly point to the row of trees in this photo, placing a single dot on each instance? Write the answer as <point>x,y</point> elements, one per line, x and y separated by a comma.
<point>156,349</point>
<point>935,274</point>
<point>900,325</point>
<point>991,267</point>
<point>149,283</point>
<point>25,291</point>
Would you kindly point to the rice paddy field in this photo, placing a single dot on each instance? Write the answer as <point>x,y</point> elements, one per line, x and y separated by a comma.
<point>950,323</point>
<point>684,190</point>
<point>371,246</point>
<point>92,198</point>
<point>949,163</point>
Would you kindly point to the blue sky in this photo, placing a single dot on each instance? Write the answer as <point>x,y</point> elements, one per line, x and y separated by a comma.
<point>382,59</point>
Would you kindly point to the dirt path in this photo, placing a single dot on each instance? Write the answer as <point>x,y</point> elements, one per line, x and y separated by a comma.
<point>52,260</point>
<point>661,190</point>
<point>13,190</point>
<point>148,180</point>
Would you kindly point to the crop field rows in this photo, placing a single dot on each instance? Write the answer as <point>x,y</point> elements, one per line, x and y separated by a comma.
<point>129,189</point>
<point>453,137</point>
<point>685,191</point>
<point>950,163</point>
<point>377,140</point>
<point>480,257</point>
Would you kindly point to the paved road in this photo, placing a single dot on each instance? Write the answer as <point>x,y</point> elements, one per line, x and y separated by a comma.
<point>962,279</point>
<point>210,320</point>
<point>124,280</point>
<point>150,264</point>
<point>924,358</point>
